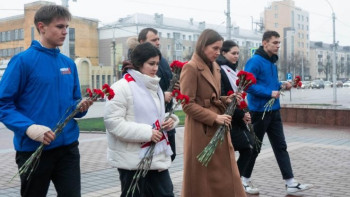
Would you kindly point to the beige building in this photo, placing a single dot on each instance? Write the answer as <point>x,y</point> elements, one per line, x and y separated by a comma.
<point>292,23</point>
<point>321,57</point>
<point>17,33</point>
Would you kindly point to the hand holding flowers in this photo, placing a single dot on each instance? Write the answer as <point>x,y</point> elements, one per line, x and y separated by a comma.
<point>245,79</point>
<point>30,165</point>
<point>146,162</point>
<point>275,94</point>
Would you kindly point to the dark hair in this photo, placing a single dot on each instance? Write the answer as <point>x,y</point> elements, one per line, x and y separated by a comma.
<point>269,34</point>
<point>140,55</point>
<point>49,12</point>
<point>227,45</point>
<point>143,33</point>
<point>207,37</point>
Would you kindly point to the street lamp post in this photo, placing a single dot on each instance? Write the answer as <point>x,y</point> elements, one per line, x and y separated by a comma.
<point>334,55</point>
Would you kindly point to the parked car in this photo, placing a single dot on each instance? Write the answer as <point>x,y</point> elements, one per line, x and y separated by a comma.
<point>317,84</point>
<point>327,84</point>
<point>346,84</point>
<point>305,84</point>
<point>339,84</point>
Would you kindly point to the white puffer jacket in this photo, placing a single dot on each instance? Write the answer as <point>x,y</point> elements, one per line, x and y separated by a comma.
<point>125,135</point>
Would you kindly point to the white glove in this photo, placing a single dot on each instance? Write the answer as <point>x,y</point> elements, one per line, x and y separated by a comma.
<point>36,132</point>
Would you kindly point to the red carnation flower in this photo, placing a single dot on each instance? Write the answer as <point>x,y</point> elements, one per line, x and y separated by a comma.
<point>230,92</point>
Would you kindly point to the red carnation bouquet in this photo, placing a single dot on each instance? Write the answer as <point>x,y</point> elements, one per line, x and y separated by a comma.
<point>176,67</point>
<point>295,84</point>
<point>32,162</point>
<point>145,164</point>
<point>245,79</point>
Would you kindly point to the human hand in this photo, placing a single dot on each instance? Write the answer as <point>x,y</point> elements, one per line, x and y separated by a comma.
<point>40,133</point>
<point>156,135</point>
<point>223,119</point>
<point>84,105</point>
<point>286,86</point>
<point>275,94</point>
<point>168,124</point>
<point>167,97</point>
<point>238,97</point>
<point>247,118</point>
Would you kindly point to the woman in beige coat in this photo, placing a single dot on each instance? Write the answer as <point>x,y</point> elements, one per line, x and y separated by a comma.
<point>200,80</point>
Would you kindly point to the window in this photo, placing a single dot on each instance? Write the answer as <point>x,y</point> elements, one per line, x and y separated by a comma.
<point>93,81</point>
<point>159,34</point>
<point>183,37</point>
<point>71,34</point>
<point>103,79</point>
<point>16,34</point>
<point>4,36</point>
<point>109,79</point>
<point>298,17</point>
<point>21,49</point>
<point>178,47</point>
<point>190,49</point>
<point>21,34</point>
<point>276,7</point>
<point>168,35</point>
<point>183,48</point>
<point>8,37</point>
<point>72,50</point>
<point>276,25</point>
<point>298,26</point>
<point>10,52</point>
<point>276,15</point>
<point>97,80</point>
<point>0,52</point>
<point>307,27</point>
<point>176,36</point>
<point>168,47</point>
<point>189,37</point>
<point>302,18</point>
<point>302,27</point>
<point>4,52</point>
<point>307,19</point>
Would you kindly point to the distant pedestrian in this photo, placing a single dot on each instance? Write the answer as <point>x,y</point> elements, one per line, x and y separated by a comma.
<point>200,80</point>
<point>241,137</point>
<point>263,66</point>
<point>133,119</point>
<point>38,87</point>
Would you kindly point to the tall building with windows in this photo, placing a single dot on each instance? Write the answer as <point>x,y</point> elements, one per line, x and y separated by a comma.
<point>292,23</point>
<point>17,33</point>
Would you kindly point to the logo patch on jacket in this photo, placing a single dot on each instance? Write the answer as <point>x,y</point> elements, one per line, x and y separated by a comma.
<point>65,71</point>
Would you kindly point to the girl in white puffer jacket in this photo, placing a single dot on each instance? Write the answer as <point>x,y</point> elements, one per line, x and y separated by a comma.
<point>133,119</point>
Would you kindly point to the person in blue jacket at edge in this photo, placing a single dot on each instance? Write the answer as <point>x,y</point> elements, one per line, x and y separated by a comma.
<point>262,66</point>
<point>37,88</point>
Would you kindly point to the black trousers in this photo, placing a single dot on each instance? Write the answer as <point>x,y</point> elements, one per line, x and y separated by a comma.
<point>171,138</point>
<point>244,159</point>
<point>155,184</point>
<point>61,165</point>
<point>272,125</point>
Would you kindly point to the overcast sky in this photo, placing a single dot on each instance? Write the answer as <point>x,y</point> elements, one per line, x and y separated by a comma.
<point>212,12</point>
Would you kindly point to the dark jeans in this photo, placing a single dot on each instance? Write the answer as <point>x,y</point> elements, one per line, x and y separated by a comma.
<point>155,184</point>
<point>171,138</point>
<point>272,125</point>
<point>61,165</point>
<point>243,159</point>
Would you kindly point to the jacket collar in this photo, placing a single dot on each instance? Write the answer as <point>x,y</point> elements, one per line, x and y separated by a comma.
<point>206,73</point>
<point>36,44</point>
<point>263,54</point>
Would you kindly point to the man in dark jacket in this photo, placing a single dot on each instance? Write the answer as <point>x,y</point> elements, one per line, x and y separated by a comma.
<point>263,66</point>
<point>164,72</point>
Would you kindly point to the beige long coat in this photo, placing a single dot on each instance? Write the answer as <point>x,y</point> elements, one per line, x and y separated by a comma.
<point>221,177</point>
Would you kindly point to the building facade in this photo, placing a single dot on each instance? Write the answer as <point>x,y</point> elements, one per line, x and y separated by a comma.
<point>177,37</point>
<point>17,33</point>
<point>321,57</point>
<point>292,23</point>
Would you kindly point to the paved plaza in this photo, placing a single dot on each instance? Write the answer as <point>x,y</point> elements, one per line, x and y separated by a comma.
<point>320,155</point>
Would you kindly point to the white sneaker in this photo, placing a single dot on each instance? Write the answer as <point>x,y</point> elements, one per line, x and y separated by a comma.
<point>297,187</point>
<point>249,188</point>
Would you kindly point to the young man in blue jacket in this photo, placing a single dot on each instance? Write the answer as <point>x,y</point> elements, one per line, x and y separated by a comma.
<point>38,87</point>
<point>263,66</point>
